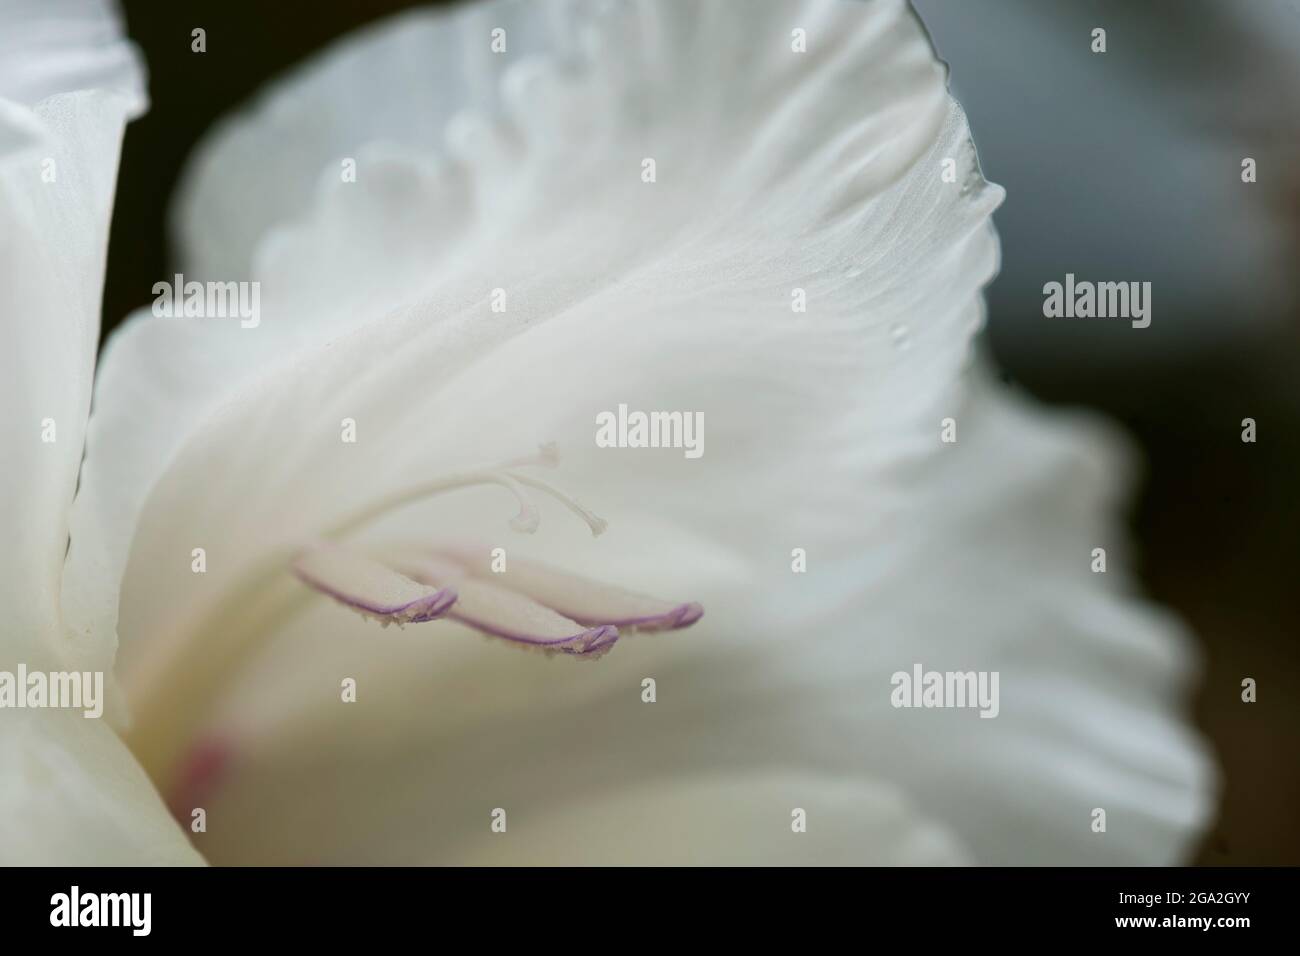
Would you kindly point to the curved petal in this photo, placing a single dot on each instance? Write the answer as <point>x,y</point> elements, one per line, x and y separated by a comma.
<point>399,82</point>
<point>59,143</point>
<point>739,817</point>
<point>744,818</point>
<point>73,795</point>
<point>990,568</point>
<point>50,47</point>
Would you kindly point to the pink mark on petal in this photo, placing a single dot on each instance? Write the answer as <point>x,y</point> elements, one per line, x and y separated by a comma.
<point>202,770</point>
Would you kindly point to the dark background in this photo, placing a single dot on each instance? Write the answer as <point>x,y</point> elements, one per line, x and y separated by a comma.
<point>1215,520</point>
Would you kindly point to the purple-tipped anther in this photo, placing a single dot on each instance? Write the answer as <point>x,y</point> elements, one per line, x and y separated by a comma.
<point>371,588</point>
<point>578,598</point>
<point>683,615</point>
<point>591,642</point>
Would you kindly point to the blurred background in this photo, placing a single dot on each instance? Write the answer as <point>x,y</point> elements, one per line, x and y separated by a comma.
<point>1118,166</point>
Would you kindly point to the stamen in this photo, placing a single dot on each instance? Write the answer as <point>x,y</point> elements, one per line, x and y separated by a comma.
<point>499,612</point>
<point>576,598</point>
<point>188,677</point>
<point>372,589</point>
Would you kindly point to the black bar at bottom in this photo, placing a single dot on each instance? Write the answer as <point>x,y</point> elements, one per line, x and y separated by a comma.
<point>373,905</point>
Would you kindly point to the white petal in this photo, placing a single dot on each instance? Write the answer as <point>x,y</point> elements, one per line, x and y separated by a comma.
<point>59,143</point>
<point>401,81</point>
<point>446,730</point>
<point>72,795</point>
<point>989,568</point>
<point>719,819</point>
<point>715,818</point>
<point>982,562</point>
<point>48,47</point>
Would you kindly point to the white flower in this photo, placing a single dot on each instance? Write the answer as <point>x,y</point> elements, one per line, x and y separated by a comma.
<point>525,171</point>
